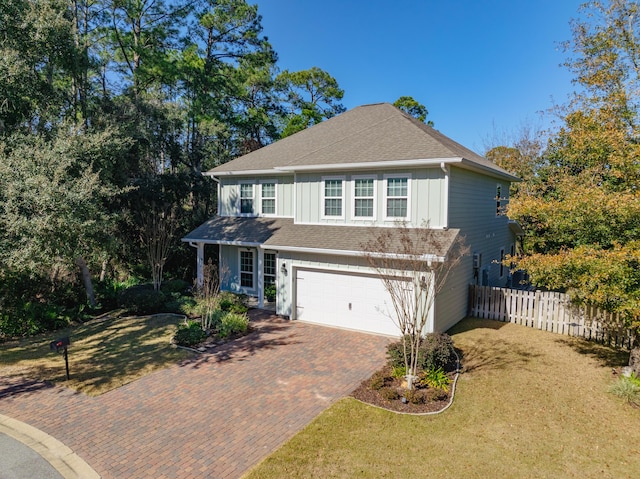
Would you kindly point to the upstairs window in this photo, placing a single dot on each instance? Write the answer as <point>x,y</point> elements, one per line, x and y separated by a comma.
<point>333,197</point>
<point>363,197</point>
<point>268,194</point>
<point>397,197</point>
<point>498,198</point>
<point>246,198</point>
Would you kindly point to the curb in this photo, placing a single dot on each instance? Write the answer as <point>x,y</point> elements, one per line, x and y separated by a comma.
<point>61,457</point>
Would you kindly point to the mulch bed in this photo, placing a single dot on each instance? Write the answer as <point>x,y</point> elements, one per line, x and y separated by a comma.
<point>434,402</point>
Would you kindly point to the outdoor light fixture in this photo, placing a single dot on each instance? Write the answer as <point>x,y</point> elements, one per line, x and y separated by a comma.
<point>283,269</point>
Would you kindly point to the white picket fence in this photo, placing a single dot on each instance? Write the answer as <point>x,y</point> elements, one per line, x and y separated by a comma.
<point>548,311</point>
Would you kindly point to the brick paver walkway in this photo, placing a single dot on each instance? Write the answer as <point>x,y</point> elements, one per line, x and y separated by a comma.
<point>215,416</point>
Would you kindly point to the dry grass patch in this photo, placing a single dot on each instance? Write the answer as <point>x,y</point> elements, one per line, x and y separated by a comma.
<point>528,404</point>
<point>104,354</point>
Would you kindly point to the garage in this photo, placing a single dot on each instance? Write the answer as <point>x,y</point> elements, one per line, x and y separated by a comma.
<point>344,300</point>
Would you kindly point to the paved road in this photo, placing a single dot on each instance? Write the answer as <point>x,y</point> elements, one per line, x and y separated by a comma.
<point>18,461</point>
<point>215,416</point>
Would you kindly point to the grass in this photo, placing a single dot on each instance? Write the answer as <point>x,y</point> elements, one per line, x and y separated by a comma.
<point>104,354</point>
<point>529,404</point>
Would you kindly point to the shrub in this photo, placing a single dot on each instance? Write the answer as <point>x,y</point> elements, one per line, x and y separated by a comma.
<point>232,303</point>
<point>627,388</point>
<point>435,394</point>
<point>181,305</point>
<point>435,378</point>
<point>415,396</point>
<point>189,334</point>
<point>233,323</point>
<point>390,394</point>
<point>270,292</point>
<point>142,299</point>
<point>399,372</point>
<point>436,351</point>
<point>377,381</point>
<point>175,286</point>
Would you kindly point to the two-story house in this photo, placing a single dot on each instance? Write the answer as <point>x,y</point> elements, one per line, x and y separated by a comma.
<point>295,214</point>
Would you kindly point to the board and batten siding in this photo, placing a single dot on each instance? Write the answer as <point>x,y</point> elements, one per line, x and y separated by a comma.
<point>472,208</point>
<point>427,195</point>
<point>229,203</point>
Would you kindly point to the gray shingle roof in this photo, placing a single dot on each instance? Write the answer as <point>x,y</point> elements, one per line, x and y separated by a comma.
<point>282,233</point>
<point>369,133</point>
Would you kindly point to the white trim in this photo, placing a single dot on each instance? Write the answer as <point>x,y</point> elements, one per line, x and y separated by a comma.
<point>354,178</point>
<point>261,183</point>
<point>444,201</point>
<point>323,197</point>
<point>213,174</point>
<point>386,197</point>
<point>253,198</point>
<point>419,162</point>
<point>339,252</point>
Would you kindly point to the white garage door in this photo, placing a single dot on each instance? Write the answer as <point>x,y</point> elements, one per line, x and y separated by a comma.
<point>344,300</point>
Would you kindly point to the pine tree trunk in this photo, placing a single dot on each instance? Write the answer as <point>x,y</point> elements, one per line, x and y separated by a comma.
<point>634,357</point>
<point>86,278</point>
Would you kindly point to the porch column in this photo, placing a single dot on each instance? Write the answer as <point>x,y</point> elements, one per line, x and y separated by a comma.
<point>200,264</point>
<point>260,278</point>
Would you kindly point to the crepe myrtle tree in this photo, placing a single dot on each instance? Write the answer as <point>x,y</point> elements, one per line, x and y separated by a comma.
<point>413,276</point>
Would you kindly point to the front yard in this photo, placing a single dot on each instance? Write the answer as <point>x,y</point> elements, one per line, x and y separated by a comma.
<point>529,404</point>
<point>104,354</point>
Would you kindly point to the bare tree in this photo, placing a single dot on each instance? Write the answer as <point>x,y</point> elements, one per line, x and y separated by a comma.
<point>157,232</point>
<point>413,264</point>
<point>208,291</point>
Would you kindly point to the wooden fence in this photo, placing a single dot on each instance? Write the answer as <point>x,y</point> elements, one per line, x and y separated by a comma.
<point>548,311</point>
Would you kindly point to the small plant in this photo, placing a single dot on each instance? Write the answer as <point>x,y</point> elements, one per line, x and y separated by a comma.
<point>436,351</point>
<point>399,372</point>
<point>390,394</point>
<point>230,302</point>
<point>270,292</point>
<point>627,388</point>
<point>377,381</point>
<point>233,323</point>
<point>189,334</point>
<point>415,396</point>
<point>435,378</point>
<point>435,394</point>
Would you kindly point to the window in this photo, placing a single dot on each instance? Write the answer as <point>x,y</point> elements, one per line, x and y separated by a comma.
<point>333,197</point>
<point>246,198</point>
<point>397,197</point>
<point>246,269</point>
<point>269,269</point>
<point>268,195</point>
<point>363,197</point>
<point>501,262</point>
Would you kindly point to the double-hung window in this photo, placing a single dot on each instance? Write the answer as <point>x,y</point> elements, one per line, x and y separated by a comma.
<point>333,197</point>
<point>268,198</point>
<point>246,269</point>
<point>246,199</point>
<point>397,197</point>
<point>363,197</point>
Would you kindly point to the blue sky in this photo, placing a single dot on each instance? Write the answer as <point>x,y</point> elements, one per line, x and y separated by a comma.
<point>482,68</point>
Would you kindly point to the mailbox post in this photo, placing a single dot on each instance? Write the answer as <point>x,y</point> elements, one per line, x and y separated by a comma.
<point>60,345</point>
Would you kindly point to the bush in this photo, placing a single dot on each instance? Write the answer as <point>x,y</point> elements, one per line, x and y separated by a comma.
<point>189,334</point>
<point>142,299</point>
<point>390,394</point>
<point>436,351</point>
<point>230,302</point>
<point>233,323</point>
<point>415,396</point>
<point>181,305</point>
<point>175,286</point>
<point>270,292</point>
<point>377,381</point>
<point>399,372</point>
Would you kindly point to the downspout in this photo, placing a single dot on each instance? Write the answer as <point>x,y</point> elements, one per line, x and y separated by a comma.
<point>445,200</point>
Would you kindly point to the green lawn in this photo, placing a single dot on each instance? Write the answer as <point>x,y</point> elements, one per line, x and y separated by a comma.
<point>529,404</point>
<point>104,354</point>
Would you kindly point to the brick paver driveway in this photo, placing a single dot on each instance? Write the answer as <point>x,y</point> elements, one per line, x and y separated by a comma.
<point>215,416</point>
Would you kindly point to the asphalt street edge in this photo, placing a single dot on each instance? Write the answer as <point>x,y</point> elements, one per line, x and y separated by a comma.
<point>62,458</point>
